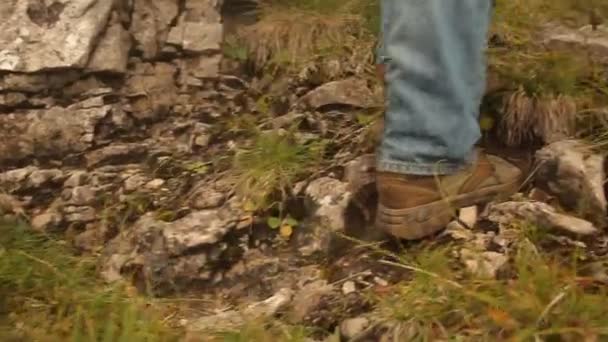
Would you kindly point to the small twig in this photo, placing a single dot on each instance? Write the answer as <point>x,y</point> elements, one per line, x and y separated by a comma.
<point>552,305</point>
<point>350,277</point>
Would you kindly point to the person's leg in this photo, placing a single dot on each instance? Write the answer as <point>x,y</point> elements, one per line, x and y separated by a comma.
<point>433,52</point>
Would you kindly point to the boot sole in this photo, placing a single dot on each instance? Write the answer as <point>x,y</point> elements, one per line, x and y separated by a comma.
<point>425,220</point>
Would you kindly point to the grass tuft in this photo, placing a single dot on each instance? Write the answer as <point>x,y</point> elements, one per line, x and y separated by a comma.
<point>544,299</point>
<point>271,164</point>
<point>48,294</point>
<point>293,32</point>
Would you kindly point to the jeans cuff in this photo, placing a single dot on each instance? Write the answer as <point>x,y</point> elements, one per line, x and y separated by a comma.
<point>421,169</point>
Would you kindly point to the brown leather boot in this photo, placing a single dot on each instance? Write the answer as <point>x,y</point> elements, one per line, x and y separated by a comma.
<point>414,207</point>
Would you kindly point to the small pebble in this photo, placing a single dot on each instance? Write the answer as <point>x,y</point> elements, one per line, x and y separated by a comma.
<point>349,287</point>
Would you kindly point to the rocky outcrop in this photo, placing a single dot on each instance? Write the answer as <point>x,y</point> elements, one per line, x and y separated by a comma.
<point>168,254</point>
<point>574,172</point>
<point>41,35</point>
<point>56,131</point>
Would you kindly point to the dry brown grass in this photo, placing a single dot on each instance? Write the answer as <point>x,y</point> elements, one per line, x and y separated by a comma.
<point>530,118</point>
<point>294,32</point>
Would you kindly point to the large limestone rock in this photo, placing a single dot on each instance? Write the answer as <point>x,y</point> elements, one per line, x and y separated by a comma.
<point>112,51</point>
<point>39,35</point>
<point>199,28</point>
<point>163,254</point>
<point>326,202</point>
<point>151,24</point>
<point>539,214</point>
<point>352,92</point>
<point>53,132</point>
<point>575,173</point>
<point>151,90</point>
<point>584,39</point>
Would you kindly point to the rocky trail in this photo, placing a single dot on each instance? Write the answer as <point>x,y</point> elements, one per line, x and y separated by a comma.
<point>128,131</point>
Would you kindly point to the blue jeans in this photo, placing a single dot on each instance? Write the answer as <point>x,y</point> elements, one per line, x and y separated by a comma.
<point>434,54</point>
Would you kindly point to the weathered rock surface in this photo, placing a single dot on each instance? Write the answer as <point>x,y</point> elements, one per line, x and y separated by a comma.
<point>326,202</point>
<point>574,173</point>
<point>151,24</point>
<point>50,133</point>
<point>541,215</point>
<point>112,52</point>
<point>116,153</point>
<point>350,92</point>
<point>171,253</point>
<point>584,39</point>
<point>39,35</point>
<point>352,327</point>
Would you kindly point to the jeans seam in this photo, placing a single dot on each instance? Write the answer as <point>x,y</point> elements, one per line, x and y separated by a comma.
<point>421,169</point>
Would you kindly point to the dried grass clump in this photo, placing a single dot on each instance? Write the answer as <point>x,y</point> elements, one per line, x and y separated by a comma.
<point>544,118</point>
<point>289,32</point>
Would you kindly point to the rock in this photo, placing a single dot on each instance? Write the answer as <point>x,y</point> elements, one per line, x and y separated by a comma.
<point>46,221</point>
<point>49,133</point>
<point>135,182</point>
<point>308,298</point>
<point>271,305</point>
<point>167,254</point>
<point>82,214</point>
<point>232,319</point>
<point>12,99</point>
<point>92,239</point>
<point>352,92</point>
<point>36,36</point>
<point>353,326</point>
<point>195,70</point>
<point>539,214</point>
<point>584,39</point>
<point>76,178</point>
<point>381,282</point>
<point>155,184</point>
<point>112,51</point>
<point>360,172</point>
<point>575,174</point>
<point>82,196</point>
<point>206,197</point>
<point>14,180</point>
<point>200,135</point>
<point>11,205</point>
<point>150,25</point>
<point>326,202</point>
<point>199,29</point>
<point>33,83</point>
<point>349,287</point>
<point>116,154</point>
<point>41,178</point>
<point>151,90</point>
<point>467,218</point>
<point>483,264</point>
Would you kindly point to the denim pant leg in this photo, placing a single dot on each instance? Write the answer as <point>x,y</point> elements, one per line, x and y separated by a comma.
<point>434,52</point>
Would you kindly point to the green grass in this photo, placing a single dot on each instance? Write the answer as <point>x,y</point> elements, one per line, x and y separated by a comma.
<point>264,331</point>
<point>270,165</point>
<point>49,294</point>
<point>543,298</point>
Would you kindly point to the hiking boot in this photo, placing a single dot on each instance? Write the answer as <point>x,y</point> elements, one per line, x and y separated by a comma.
<point>414,207</point>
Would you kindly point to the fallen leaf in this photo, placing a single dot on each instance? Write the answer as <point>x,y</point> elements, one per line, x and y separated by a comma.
<point>502,319</point>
